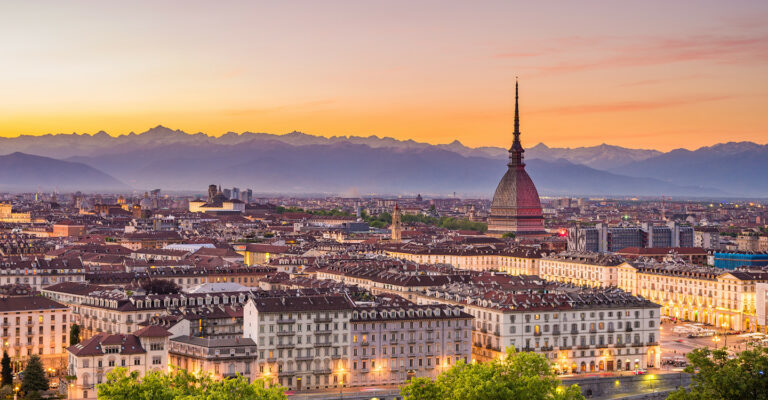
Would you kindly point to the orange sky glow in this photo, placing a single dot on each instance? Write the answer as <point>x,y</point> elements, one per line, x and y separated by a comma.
<point>654,74</point>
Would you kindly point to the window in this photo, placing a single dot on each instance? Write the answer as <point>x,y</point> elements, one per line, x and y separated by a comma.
<point>157,360</point>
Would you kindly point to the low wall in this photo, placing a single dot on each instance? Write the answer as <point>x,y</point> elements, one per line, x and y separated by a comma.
<point>640,385</point>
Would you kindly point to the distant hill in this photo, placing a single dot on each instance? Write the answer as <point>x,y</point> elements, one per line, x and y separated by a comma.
<point>298,162</point>
<point>735,167</point>
<point>19,171</point>
<point>354,168</point>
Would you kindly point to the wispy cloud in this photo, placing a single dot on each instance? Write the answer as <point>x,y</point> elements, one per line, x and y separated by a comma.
<point>580,54</point>
<point>657,81</point>
<point>721,49</point>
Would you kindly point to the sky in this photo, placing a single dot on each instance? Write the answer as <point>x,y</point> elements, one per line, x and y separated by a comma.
<point>644,74</point>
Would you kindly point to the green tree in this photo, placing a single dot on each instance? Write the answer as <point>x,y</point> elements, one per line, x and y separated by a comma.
<point>122,385</point>
<point>716,376</point>
<point>7,372</point>
<point>508,235</point>
<point>74,334</point>
<point>422,389</point>
<point>514,376</point>
<point>34,378</point>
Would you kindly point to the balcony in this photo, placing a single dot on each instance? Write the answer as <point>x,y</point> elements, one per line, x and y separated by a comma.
<point>638,344</point>
<point>628,329</point>
<point>365,343</point>
<point>556,333</point>
<point>653,343</point>
<point>285,346</point>
<point>582,347</point>
<point>620,345</point>
<point>323,319</point>
<point>610,330</point>
<point>323,332</point>
<point>286,321</point>
<point>574,331</point>
<point>327,344</point>
<point>271,359</point>
<point>546,348</point>
<point>305,358</point>
<point>286,333</point>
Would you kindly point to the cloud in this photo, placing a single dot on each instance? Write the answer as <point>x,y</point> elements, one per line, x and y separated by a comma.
<point>662,80</point>
<point>606,53</point>
<point>629,106</point>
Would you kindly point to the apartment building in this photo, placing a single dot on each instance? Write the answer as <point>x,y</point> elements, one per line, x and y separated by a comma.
<point>517,261</point>
<point>583,269</point>
<point>223,358</point>
<point>578,329</point>
<point>303,341</point>
<point>38,273</point>
<point>35,325</point>
<point>722,298</point>
<point>113,310</point>
<point>395,341</point>
<point>146,350</point>
<point>725,299</point>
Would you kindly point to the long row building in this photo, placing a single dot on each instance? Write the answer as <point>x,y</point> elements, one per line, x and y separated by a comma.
<point>722,298</point>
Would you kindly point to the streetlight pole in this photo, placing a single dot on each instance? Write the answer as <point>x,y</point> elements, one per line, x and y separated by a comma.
<point>341,382</point>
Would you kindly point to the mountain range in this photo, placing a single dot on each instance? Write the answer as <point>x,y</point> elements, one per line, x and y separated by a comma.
<point>300,163</point>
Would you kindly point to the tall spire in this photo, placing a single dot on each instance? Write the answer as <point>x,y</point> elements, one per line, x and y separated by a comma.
<point>517,113</point>
<point>516,151</point>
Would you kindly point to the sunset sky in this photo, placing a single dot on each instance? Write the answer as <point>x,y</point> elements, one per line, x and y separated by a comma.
<point>648,74</point>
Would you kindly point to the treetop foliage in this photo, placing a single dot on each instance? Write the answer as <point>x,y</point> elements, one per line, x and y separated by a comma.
<point>717,376</point>
<point>523,376</point>
<point>182,385</point>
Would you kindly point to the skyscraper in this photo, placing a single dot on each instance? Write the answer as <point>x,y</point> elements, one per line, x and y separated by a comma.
<point>516,207</point>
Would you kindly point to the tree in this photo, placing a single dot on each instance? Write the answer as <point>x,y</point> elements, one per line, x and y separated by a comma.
<point>508,235</point>
<point>122,385</point>
<point>514,376</point>
<point>716,376</point>
<point>7,372</point>
<point>74,334</point>
<point>160,286</point>
<point>34,377</point>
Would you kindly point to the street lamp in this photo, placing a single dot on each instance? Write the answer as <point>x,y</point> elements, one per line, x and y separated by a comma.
<point>341,371</point>
<point>716,339</point>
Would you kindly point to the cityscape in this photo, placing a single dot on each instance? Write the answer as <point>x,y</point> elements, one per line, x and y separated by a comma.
<point>330,236</point>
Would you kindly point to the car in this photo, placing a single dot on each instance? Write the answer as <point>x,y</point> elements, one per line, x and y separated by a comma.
<point>640,372</point>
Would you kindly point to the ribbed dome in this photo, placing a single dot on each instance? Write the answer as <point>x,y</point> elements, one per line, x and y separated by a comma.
<point>516,190</point>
